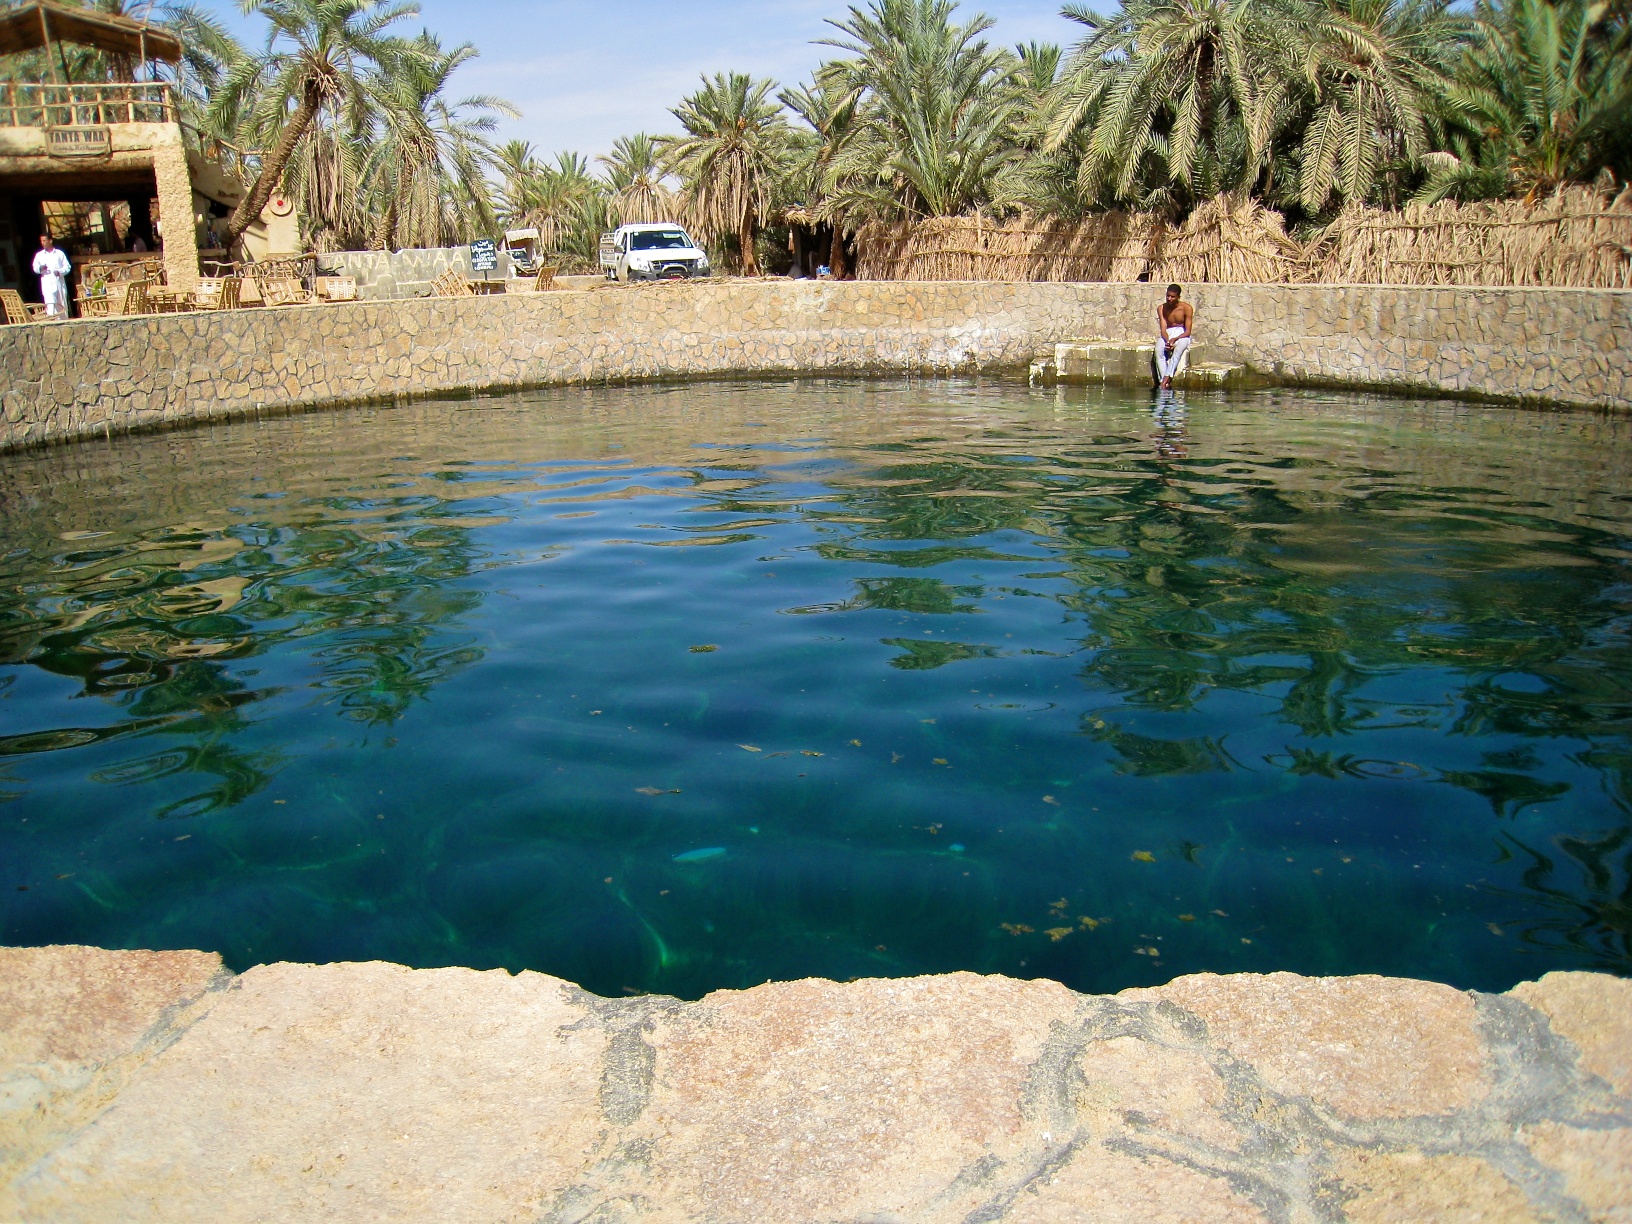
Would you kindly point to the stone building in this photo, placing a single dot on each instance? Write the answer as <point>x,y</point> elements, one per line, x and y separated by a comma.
<point>101,149</point>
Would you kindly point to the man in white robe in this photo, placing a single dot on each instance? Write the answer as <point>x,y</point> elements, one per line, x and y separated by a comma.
<point>51,266</point>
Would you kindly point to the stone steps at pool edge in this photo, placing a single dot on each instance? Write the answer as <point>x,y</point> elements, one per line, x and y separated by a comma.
<point>1121,362</point>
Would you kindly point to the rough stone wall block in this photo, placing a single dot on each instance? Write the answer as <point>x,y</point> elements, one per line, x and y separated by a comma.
<point>368,1091</point>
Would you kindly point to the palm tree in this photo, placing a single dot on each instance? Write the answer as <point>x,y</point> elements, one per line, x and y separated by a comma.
<point>320,57</point>
<point>1049,174</point>
<point>1175,96</point>
<point>425,170</point>
<point>636,178</point>
<point>568,205</point>
<point>1547,90</point>
<point>828,108</point>
<point>729,160</point>
<point>517,164</point>
<point>1374,71</point>
<point>937,117</point>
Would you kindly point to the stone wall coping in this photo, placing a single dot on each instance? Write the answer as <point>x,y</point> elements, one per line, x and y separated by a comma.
<point>156,1086</point>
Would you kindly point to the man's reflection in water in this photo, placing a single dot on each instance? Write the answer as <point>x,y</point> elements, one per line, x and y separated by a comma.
<point>1171,437</point>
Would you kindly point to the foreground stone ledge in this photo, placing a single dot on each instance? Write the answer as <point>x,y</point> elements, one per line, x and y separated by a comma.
<point>142,1086</point>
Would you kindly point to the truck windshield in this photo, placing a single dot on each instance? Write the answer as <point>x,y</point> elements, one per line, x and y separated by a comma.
<point>658,240</point>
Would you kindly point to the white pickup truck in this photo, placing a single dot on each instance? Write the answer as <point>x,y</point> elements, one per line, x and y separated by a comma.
<point>660,251</point>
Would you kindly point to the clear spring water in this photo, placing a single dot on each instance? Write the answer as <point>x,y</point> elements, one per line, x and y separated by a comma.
<point>677,688</point>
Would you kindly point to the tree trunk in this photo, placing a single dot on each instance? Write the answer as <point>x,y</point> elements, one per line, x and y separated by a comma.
<point>745,242</point>
<point>385,228</point>
<point>249,208</point>
<point>835,254</point>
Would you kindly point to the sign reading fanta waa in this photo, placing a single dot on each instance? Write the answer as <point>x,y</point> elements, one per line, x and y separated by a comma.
<point>76,141</point>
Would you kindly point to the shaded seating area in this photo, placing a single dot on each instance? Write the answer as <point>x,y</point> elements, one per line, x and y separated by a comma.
<point>111,288</point>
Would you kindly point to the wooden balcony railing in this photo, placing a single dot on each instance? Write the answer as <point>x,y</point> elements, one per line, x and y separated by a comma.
<point>48,106</point>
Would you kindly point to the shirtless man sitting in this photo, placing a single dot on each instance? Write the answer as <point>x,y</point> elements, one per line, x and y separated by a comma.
<point>1173,322</point>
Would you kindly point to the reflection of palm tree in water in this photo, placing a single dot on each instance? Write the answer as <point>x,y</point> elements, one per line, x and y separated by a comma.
<point>1172,437</point>
<point>374,605</point>
<point>1588,909</point>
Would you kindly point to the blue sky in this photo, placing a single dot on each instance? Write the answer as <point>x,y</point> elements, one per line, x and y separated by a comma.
<point>585,72</point>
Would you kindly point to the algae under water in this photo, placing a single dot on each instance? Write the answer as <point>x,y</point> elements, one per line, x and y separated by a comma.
<point>687,687</point>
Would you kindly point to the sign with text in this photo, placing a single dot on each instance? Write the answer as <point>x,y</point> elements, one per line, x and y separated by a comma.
<point>484,255</point>
<point>73,141</point>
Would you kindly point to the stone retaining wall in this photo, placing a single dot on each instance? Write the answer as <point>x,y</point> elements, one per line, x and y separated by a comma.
<point>90,377</point>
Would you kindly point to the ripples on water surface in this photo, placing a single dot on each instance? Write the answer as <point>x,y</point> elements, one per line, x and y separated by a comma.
<point>680,688</point>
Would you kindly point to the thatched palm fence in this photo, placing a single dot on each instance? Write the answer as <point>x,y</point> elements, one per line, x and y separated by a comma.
<point>1578,238</point>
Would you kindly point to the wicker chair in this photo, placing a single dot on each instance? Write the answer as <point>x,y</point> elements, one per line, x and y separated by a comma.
<point>546,278</point>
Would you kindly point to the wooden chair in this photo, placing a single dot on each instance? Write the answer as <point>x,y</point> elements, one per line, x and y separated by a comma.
<point>128,298</point>
<point>336,288</point>
<point>284,291</point>
<point>546,278</point>
<point>19,311</point>
<point>217,293</point>
<point>452,283</point>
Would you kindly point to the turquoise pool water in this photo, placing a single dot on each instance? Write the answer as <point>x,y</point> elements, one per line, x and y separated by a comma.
<point>677,688</point>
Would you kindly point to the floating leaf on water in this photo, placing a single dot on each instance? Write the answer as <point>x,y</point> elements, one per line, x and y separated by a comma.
<point>1061,904</point>
<point>808,752</point>
<point>1220,913</point>
<point>702,649</point>
<point>1087,923</point>
<point>1051,799</point>
<point>895,758</point>
<point>1058,933</point>
<point>1016,928</point>
<point>699,856</point>
<point>654,790</point>
<point>750,748</point>
<point>1245,940</point>
<point>1143,856</point>
<point>1493,928</point>
<point>940,760</point>
<point>1187,917</point>
<point>855,743</point>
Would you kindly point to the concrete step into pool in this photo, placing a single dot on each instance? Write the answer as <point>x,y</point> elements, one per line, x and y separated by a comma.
<point>1123,363</point>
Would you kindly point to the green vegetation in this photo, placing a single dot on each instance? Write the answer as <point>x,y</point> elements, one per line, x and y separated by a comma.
<point>1308,106</point>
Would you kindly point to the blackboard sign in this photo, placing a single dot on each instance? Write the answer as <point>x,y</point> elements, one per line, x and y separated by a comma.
<point>484,255</point>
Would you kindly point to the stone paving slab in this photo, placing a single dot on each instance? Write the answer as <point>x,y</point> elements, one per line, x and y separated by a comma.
<point>154,1086</point>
